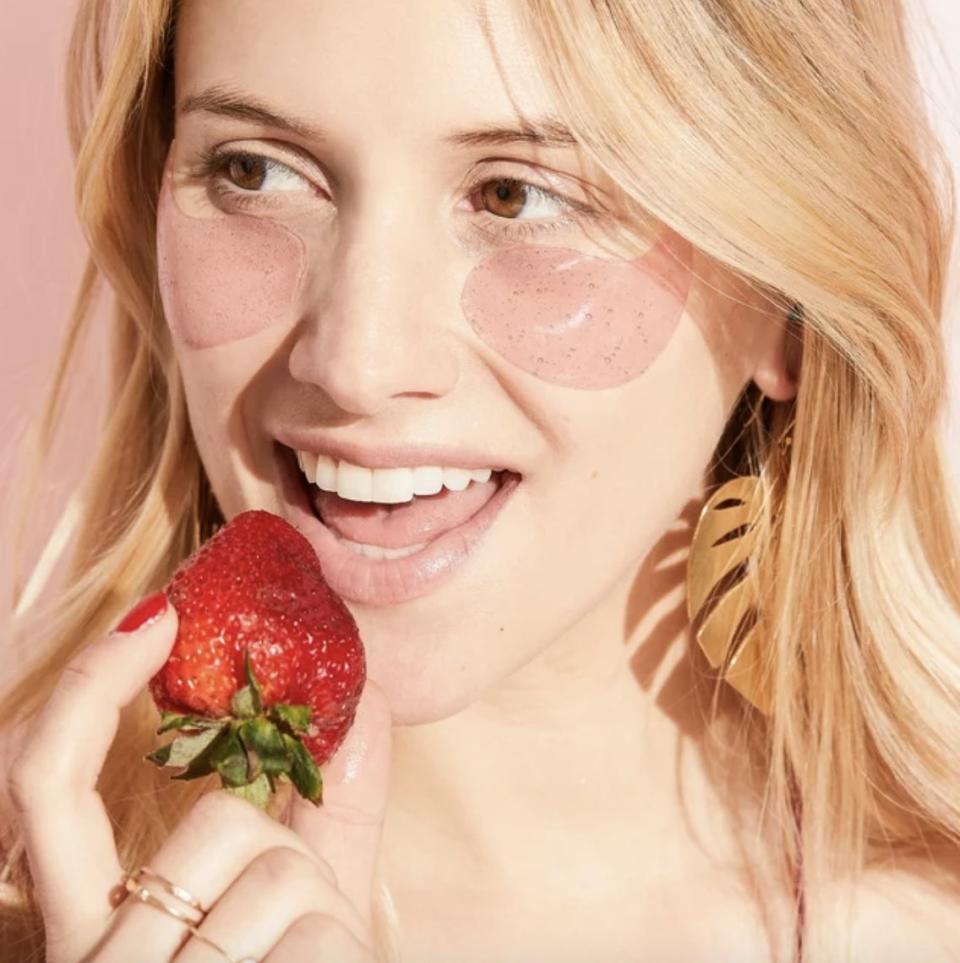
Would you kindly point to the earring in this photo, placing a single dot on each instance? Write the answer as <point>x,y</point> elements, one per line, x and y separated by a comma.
<point>725,536</point>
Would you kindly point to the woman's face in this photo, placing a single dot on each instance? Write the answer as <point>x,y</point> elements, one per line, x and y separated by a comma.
<point>356,265</point>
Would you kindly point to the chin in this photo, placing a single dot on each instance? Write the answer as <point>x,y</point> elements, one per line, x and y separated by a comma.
<point>418,691</point>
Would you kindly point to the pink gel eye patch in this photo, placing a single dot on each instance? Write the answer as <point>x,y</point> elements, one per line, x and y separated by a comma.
<point>225,277</point>
<point>575,320</point>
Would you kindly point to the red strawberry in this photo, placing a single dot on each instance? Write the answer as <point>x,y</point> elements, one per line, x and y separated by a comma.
<point>267,667</point>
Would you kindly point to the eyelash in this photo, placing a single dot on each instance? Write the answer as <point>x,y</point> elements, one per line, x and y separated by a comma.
<point>213,161</point>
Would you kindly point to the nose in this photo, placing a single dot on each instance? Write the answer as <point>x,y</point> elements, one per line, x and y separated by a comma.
<point>378,326</point>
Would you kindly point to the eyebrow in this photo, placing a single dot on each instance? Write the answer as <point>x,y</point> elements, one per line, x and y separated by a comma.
<point>541,132</point>
<point>546,131</point>
<point>228,103</point>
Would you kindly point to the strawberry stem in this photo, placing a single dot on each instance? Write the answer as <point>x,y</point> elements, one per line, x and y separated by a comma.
<point>249,749</point>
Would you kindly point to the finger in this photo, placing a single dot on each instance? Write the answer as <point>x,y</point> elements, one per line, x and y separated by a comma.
<point>68,836</point>
<point>271,894</point>
<point>317,939</point>
<point>346,829</point>
<point>206,854</point>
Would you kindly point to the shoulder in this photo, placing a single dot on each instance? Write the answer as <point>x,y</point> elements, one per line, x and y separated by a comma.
<point>908,912</point>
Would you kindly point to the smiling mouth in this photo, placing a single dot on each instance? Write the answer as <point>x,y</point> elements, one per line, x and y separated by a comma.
<point>381,554</point>
<point>392,529</point>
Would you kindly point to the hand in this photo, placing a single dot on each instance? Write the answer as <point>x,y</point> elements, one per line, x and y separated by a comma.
<point>275,893</point>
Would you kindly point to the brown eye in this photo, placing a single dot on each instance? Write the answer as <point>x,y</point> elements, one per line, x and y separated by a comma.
<point>505,196</point>
<point>246,171</point>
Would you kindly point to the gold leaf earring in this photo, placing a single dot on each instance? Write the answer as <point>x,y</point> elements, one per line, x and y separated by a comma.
<point>728,634</point>
<point>720,591</point>
<point>725,536</point>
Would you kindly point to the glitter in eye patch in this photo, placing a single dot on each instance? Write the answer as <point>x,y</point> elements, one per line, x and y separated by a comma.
<point>223,278</point>
<point>575,320</point>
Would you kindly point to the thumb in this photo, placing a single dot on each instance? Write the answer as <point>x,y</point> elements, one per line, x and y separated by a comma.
<point>346,829</point>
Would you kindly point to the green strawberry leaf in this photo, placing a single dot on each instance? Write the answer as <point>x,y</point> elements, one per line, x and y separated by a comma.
<point>160,755</point>
<point>243,704</point>
<point>201,764</point>
<point>257,792</point>
<point>174,720</point>
<point>246,702</point>
<point>252,681</point>
<point>171,720</point>
<point>262,738</point>
<point>294,718</point>
<point>230,760</point>
<point>304,773</point>
<point>182,750</point>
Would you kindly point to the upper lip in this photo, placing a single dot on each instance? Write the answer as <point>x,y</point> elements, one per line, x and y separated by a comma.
<point>394,455</point>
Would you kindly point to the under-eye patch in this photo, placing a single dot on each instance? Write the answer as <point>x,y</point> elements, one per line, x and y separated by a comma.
<point>235,263</point>
<point>576,320</point>
<point>224,276</point>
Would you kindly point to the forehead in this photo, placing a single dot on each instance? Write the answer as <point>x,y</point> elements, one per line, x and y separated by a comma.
<point>411,69</point>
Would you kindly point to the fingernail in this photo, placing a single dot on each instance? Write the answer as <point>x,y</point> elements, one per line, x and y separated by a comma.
<point>143,613</point>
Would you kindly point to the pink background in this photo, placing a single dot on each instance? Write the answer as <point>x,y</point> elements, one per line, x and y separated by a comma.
<point>41,249</point>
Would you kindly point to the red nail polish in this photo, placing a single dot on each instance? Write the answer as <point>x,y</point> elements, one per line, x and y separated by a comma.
<point>144,612</point>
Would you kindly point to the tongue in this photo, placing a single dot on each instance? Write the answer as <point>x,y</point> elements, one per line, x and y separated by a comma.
<point>396,526</point>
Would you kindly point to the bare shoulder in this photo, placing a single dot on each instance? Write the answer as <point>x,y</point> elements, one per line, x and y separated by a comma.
<point>910,911</point>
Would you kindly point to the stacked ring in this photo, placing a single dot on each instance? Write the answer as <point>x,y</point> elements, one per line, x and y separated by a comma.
<point>139,884</point>
<point>134,883</point>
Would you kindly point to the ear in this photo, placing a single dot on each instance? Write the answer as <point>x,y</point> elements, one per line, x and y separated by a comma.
<point>779,353</point>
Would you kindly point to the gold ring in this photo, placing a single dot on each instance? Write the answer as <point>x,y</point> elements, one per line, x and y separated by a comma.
<point>181,894</point>
<point>133,883</point>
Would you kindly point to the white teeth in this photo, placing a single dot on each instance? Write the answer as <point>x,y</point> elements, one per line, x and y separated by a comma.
<point>386,486</point>
<point>308,465</point>
<point>354,482</point>
<point>427,480</point>
<point>378,551</point>
<point>456,479</point>
<point>392,485</point>
<point>326,473</point>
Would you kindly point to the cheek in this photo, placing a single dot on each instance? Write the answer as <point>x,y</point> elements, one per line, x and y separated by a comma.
<point>575,320</point>
<point>225,278</point>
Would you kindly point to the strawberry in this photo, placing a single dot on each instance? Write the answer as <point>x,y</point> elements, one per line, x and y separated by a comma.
<point>267,668</point>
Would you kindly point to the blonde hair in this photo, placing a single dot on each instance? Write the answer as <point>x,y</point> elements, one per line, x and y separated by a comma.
<point>746,128</point>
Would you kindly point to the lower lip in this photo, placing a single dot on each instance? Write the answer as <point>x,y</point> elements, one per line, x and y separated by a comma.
<point>372,581</point>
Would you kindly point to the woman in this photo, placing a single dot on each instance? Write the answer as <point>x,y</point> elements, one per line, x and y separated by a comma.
<point>306,213</point>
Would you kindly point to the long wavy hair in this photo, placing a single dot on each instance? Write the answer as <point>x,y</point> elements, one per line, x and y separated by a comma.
<point>785,140</point>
